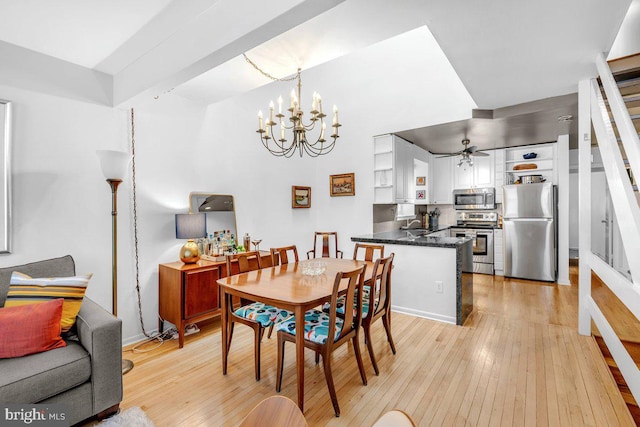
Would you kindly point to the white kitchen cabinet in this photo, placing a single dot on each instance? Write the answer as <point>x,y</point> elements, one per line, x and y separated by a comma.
<point>403,171</point>
<point>499,172</point>
<point>481,174</point>
<point>545,162</point>
<point>498,253</point>
<point>441,180</point>
<point>393,159</point>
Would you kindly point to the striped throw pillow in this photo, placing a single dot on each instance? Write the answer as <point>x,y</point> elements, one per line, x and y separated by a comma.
<point>25,290</point>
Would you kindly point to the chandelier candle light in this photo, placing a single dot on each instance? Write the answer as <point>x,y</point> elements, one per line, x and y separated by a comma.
<point>281,146</point>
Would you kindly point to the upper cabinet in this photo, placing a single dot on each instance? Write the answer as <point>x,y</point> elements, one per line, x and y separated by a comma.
<point>441,182</point>
<point>394,177</point>
<point>481,174</point>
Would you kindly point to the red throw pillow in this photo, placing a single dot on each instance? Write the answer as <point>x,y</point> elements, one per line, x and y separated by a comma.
<point>29,329</point>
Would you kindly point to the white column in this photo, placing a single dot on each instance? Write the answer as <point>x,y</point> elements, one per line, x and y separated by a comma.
<point>584,190</point>
<point>562,166</point>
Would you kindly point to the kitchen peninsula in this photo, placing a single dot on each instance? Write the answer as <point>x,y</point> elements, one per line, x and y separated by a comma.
<point>432,276</point>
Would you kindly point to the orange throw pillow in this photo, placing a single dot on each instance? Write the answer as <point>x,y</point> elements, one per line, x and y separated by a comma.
<point>30,329</point>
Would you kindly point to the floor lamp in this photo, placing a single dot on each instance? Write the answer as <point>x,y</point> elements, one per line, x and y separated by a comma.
<point>114,167</point>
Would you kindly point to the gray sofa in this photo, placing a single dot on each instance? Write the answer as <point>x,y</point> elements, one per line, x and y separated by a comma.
<point>86,375</point>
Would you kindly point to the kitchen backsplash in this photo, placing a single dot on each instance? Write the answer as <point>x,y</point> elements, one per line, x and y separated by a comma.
<point>384,216</point>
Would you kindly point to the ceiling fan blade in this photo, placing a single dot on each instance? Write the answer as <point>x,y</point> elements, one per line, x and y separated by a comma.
<point>448,154</point>
<point>471,149</point>
<point>479,153</point>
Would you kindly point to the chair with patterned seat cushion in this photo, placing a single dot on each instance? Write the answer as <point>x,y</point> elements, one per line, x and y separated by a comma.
<point>381,308</point>
<point>369,251</point>
<point>258,316</point>
<point>326,238</point>
<point>282,255</point>
<point>380,294</point>
<point>325,332</point>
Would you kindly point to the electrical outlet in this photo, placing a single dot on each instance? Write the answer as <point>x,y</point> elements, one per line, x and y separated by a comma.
<point>439,286</point>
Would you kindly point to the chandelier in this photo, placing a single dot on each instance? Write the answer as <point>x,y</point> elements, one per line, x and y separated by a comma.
<point>275,140</point>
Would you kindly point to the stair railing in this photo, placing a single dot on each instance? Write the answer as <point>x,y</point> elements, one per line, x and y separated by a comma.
<point>625,206</point>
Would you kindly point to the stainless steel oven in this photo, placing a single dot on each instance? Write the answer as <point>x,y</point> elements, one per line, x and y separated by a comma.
<point>479,227</point>
<point>475,198</point>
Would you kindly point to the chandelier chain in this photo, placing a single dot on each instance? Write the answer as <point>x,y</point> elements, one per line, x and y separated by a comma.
<point>269,76</point>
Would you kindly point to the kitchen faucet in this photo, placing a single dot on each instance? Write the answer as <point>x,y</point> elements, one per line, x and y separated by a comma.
<point>406,227</point>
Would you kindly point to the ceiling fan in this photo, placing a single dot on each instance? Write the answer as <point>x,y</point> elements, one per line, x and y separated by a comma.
<point>466,153</point>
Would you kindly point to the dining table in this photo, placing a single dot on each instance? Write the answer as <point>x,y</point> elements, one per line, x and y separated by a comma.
<point>286,287</point>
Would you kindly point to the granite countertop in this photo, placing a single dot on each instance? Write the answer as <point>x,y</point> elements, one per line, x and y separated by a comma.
<point>414,237</point>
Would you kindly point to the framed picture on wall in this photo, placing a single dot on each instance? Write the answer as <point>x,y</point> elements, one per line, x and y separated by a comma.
<point>342,185</point>
<point>300,197</point>
<point>421,180</point>
<point>421,195</point>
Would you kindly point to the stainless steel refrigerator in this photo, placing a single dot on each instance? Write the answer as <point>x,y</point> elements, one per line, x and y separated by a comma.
<point>529,230</point>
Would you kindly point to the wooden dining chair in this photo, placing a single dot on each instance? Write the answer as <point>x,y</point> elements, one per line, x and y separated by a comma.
<point>378,290</point>
<point>275,411</point>
<point>395,418</point>
<point>325,332</point>
<point>377,304</point>
<point>369,251</point>
<point>325,236</point>
<point>256,315</point>
<point>282,255</point>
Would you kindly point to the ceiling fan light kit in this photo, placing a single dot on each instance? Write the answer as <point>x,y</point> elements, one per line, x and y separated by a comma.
<point>467,153</point>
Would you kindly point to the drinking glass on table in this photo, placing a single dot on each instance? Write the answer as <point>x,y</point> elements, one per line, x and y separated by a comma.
<point>256,243</point>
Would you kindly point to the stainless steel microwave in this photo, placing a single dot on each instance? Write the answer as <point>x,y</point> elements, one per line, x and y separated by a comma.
<point>475,198</point>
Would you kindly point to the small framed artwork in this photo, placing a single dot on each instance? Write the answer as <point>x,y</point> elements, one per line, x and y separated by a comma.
<point>421,194</point>
<point>343,184</point>
<point>300,197</point>
<point>421,180</point>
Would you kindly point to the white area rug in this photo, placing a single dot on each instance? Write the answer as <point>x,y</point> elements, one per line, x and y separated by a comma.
<point>132,417</point>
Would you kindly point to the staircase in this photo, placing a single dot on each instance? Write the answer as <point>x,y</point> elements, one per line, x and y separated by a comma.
<point>634,351</point>
<point>626,73</point>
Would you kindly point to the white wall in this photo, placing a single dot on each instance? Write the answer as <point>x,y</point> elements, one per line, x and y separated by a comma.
<point>62,204</point>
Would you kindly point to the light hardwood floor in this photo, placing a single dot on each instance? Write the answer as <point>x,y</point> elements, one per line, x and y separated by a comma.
<point>517,361</point>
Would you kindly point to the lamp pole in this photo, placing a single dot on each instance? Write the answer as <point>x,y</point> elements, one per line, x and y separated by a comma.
<point>114,183</point>
<point>114,166</point>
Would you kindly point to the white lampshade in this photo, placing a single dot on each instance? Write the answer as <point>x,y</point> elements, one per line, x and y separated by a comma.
<point>114,163</point>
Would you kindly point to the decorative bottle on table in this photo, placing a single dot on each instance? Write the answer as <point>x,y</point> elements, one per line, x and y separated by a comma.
<point>246,242</point>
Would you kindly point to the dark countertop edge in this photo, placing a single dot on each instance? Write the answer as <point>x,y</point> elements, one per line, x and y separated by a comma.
<point>435,242</point>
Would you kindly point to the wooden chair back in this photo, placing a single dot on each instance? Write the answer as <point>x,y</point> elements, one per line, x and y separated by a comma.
<point>369,251</point>
<point>327,237</point>
<point>243,262</point>
<point>380,286</point>
<point>281,255</point>
<point>395,418</point>
<point>352,318</point>
<point>275,411</point>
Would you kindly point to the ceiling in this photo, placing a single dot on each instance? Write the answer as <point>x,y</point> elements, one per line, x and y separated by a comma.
<point>505,53</point>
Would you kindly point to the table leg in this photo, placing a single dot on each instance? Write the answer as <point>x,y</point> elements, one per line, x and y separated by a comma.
<point>299,313</point>
<point>225,330</point>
